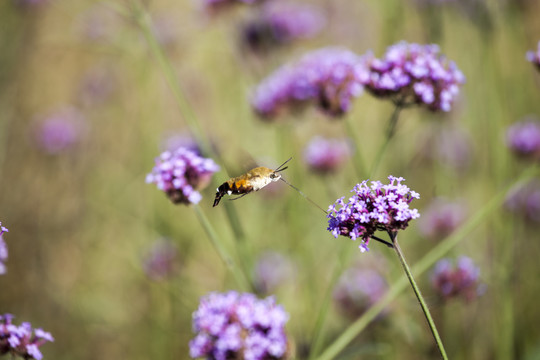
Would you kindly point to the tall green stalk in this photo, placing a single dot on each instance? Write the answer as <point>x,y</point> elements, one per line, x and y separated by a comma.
<point>419,296</point>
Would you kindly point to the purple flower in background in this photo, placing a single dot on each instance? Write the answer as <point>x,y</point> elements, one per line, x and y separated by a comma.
<point>325,156</point>
<point>357,290</point>
<point>523,138</point>
<point>180,173</point>
<point>272,270</point>
<point>60,131</point>
<point>525,200</point>
<point>161,261</point>
<point>376,207</point>
<point>415,74</point>
<point>3,250</point>
<point>239,326</point>
<point>21,340</point>
<point>441,218</point>
<point>534,57</point>
<point>281,23</point>
<point>459,280</point>
<point>448,145</point>
<point>329,77</point>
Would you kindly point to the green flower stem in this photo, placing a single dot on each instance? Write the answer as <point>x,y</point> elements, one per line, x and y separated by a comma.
<point>389,135</point>
<point>419,296</point>
<point>360,166</point>
<point>222,252</point>
<point>145,23</point>
<point>422,266</point>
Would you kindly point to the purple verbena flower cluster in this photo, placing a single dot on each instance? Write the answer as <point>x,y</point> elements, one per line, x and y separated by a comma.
<point>239,326</point>
<point>534,57</point>
<point>461,280</point>
<point>372,208</point>
<point>180,173</point>
<point>525,200</point>
<point>523,138</point>
<point>330,77</point>
<point>441,218</point>
<point>415,74</point>
<point>21,340</point>
<point>281,23</point>
<point>3,250</point>
<point>325,156</point>
<point>357,290</point>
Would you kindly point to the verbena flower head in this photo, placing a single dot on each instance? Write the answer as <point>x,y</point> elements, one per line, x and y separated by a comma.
<point>272,270</point>
<point>59,131</point>
<point>239,326</point>
<point>180,173</point>
<point>3,250</point>
<point>523,138</point>
<point>525,200</point>
<point>326,156</point>
<point>329,77</point>
<point>21,340</point>
<point>161,261</point>
<point>371,208</point>
<point>461,279</point>
<point>357,290</point>
<point>441,218</point>
<point>415,74</point>
<point>280,23</point>
<point>534,57</point>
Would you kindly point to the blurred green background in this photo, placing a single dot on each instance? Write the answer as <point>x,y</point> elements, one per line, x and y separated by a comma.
<point>81,221</point>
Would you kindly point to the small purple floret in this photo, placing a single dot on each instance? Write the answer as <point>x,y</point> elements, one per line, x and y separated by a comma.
<point>371,208</point>
<point>19,341</point>
<point>523,138</point>
<point>459,280</point>
<point>232,325</point>
<point>326,156</point>
<point>180,173</point>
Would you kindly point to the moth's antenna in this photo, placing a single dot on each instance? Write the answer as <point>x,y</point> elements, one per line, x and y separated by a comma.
<point>301,193</point>
<point>280,168</point>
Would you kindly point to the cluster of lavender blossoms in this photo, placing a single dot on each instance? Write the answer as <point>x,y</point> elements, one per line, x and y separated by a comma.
<point>3,250</point>
<point>523,138</point>
<point>180,173</point>
<point>330,77</point>
<point>325,156</point>
<point>461,280</point>
<point>415,74</point>
<point>281,23</point>
<point>376,207</point>
<point>534,57</point>
<point>239,326</point>
<point>441,218</point>
<point>357,290</point>
<point>21,340</point>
